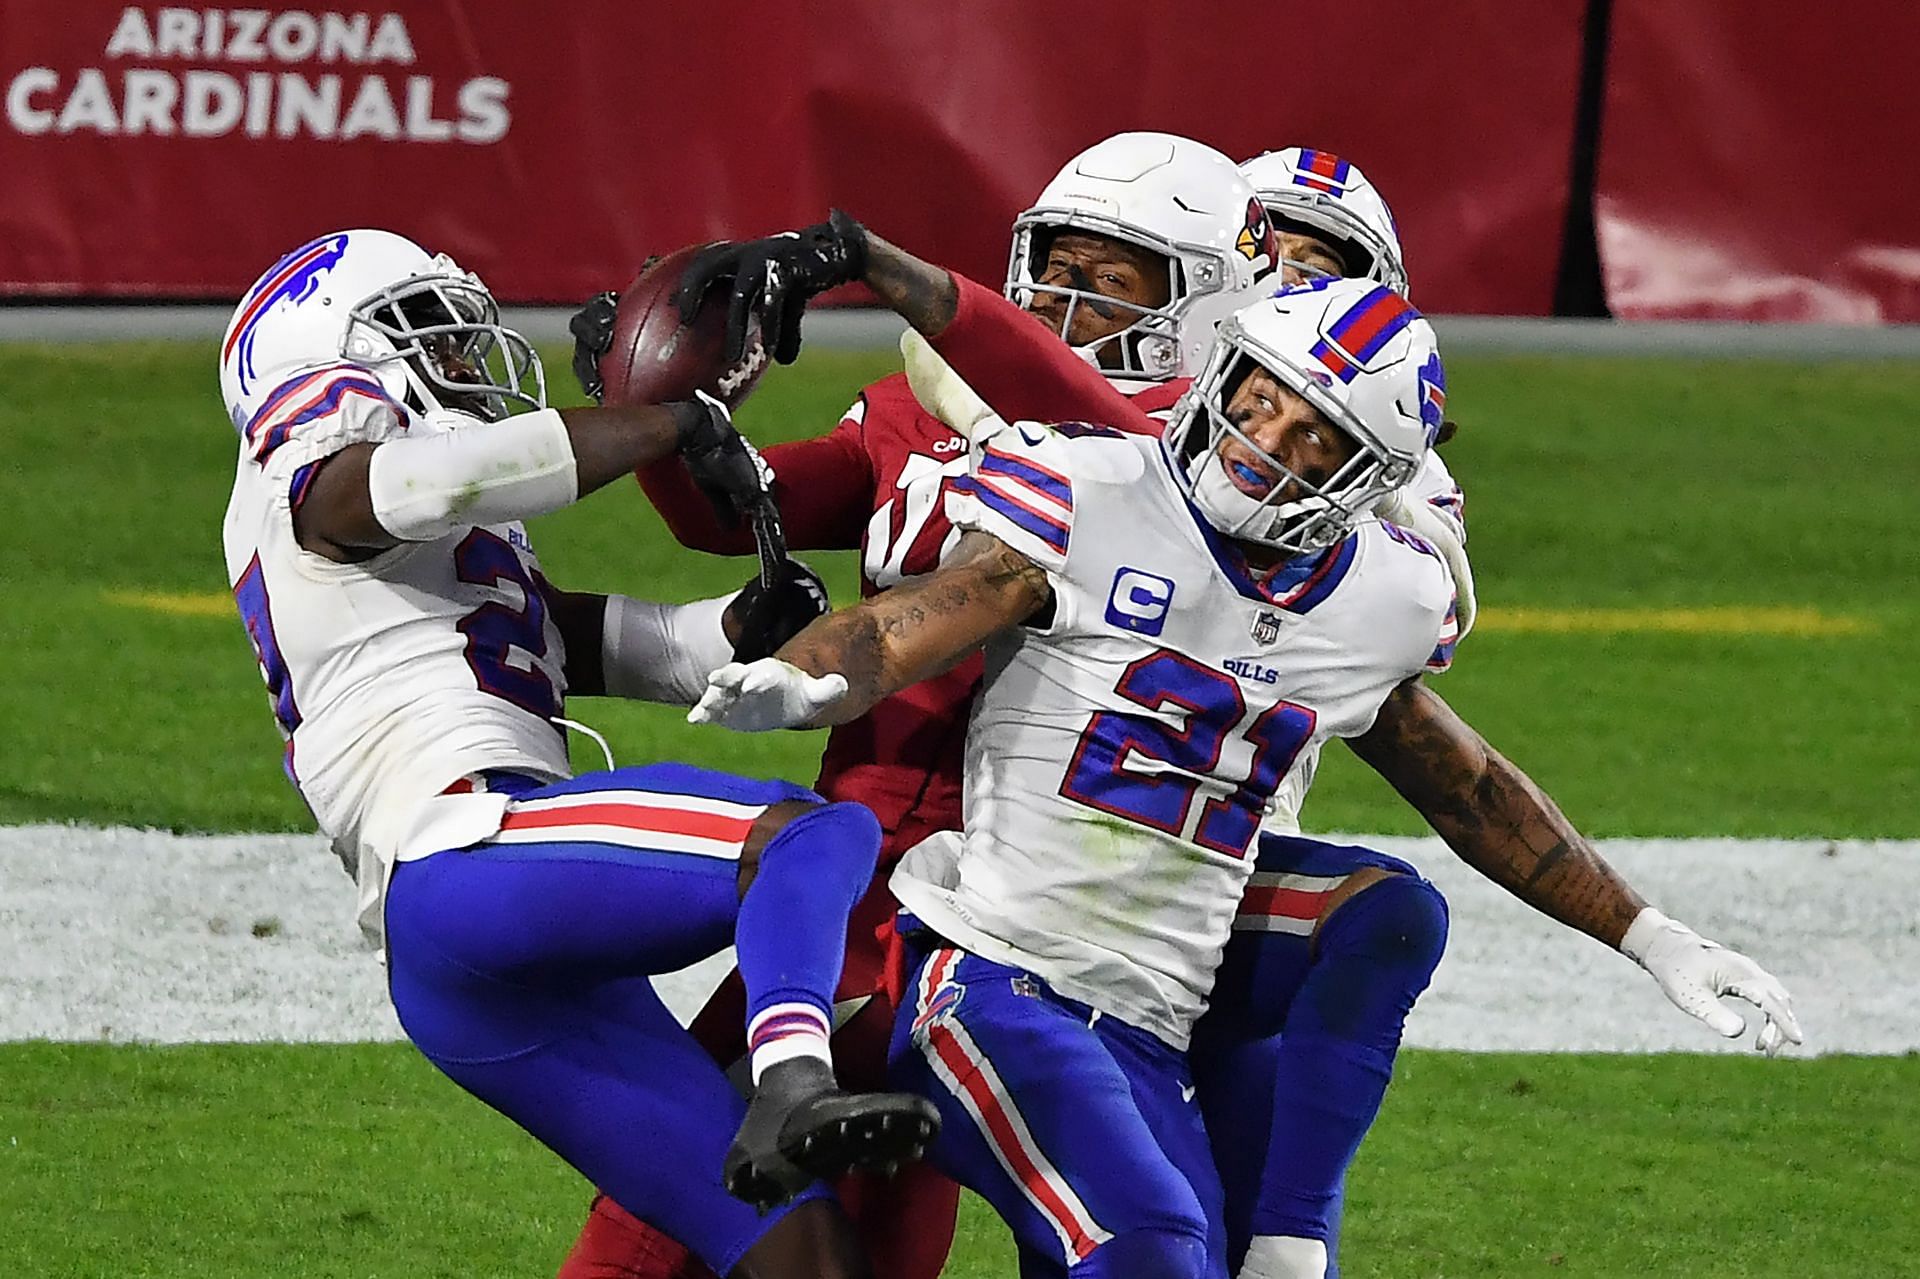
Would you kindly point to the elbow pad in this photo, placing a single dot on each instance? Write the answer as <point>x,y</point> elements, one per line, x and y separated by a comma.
<point>427,486</point>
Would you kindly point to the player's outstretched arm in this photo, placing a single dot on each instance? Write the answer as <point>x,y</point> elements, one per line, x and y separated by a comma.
<point>618,646</point>
<point>1503,825</point>
<point>1012,364</point>
<point>368,497</point>
<point>838,668</point>
<point>1493,815</point>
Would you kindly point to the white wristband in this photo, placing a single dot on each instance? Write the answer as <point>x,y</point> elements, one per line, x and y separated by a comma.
<point>1647,927</point>
<point>427,486</point>
<point>662,652</point>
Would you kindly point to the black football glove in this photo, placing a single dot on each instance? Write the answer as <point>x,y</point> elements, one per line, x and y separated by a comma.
<point>721,463</point>
<point>771,614</point>
<point>774,277</point>
<point>592,329</point>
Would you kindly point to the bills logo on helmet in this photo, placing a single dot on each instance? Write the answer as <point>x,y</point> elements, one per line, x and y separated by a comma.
<point>1323,171</point>
<point>1433,396</point>
<point>291,279</point>
<point>1256,238</point>
<point>1360,334</point>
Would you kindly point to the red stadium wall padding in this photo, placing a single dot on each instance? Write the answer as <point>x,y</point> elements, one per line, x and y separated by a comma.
<point>1757,161</point>
<point>150,151</point>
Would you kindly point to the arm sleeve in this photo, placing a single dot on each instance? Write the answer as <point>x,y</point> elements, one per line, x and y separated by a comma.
<point>1024,371</point>
<point>662,652</point>
<point>822,486</point>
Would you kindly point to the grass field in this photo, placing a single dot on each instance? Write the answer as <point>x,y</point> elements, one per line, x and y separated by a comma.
<point>1700,620</point>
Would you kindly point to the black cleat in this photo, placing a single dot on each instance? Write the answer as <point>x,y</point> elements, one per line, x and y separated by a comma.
<point>800,1128</point>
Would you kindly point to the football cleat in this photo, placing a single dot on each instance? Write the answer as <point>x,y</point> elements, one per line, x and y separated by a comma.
<point>801,1128</point>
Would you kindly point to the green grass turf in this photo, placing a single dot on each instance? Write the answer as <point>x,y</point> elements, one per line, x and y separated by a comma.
<point>269,1161</point>
<point>1618,483</point>
<point>1609,483</point>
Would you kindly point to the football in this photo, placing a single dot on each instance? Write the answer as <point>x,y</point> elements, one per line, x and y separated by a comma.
<point>655,359</point>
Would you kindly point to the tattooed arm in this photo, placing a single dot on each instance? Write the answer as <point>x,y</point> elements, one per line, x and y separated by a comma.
<point>922,627</point>
<point>1493,815</point>
<point>924,295</point>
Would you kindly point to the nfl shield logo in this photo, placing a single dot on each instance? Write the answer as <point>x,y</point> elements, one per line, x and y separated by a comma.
<point>1266,627</point>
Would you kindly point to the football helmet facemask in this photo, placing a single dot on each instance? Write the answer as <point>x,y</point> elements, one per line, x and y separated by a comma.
<point>1318,193</point>
<point>1360,355</point>
<point>429,331</point>
<point>1176,198</point>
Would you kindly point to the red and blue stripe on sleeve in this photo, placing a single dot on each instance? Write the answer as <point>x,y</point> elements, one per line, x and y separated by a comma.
<point>306,399</point>
<point>1020,490</point>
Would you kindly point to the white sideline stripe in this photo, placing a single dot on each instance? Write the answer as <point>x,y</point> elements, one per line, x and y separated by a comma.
<point>659,801</point>
<point>126,935</point>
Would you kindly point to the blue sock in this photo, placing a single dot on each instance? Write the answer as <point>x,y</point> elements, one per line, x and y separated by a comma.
<point>1374,957</point>
<point>791,934</point>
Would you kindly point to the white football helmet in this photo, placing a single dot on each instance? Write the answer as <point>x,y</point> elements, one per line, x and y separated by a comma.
<point>376,299</point>
<point>1175,197</point>
<point>1328,197</point>
<point>1353,349</point>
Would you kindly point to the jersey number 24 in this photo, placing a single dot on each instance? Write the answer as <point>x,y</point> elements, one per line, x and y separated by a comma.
<point>1105,772</point>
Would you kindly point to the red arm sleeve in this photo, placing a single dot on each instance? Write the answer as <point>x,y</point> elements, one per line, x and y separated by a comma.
<point>822,487</point>
<point>1024,371</point>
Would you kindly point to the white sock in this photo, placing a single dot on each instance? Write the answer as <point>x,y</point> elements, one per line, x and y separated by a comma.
<point>1284,1257</point>
<point>783,1032</point>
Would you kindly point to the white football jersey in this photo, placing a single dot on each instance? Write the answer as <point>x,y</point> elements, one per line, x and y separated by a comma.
<point>395,677</point>
<point>1434,484</point>
<point>1121,759</point>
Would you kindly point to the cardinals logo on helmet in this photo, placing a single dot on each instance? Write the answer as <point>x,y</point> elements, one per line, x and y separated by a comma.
<point>1256,237</point>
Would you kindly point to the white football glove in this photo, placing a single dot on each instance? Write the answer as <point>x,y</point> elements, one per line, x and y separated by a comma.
<point>940,390</point>
<point>752,697</point>
<point>1694,972</point>
<point>1418,516</point>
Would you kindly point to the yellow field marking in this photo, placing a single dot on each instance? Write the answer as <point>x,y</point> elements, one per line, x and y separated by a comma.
<point>175,603</point>
<point>1736,619</point>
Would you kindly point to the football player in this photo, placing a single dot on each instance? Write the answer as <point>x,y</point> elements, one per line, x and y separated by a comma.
<point>1138,292</point>
<point>1486,808</point>
<point>1167,631</point>
<point>416,660</point>
<point>1097,256</point>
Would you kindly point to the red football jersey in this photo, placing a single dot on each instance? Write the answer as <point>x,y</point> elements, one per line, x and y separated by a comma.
<point>876,483</point>
<point>903,759</point>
